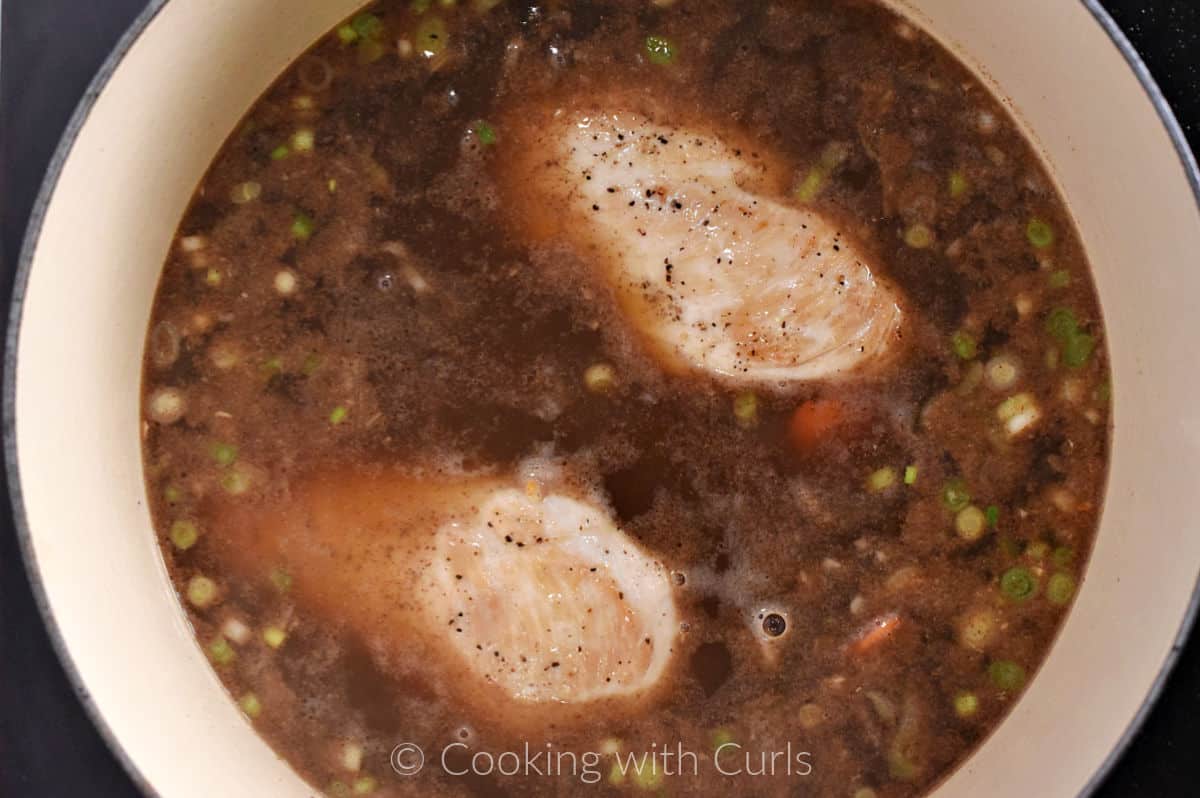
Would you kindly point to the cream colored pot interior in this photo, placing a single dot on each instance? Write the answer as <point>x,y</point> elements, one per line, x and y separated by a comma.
<point>183,86</point>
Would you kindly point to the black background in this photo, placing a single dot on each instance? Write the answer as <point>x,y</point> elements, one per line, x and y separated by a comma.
<point>50,50</point>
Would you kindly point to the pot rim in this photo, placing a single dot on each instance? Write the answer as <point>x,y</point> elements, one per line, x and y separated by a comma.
<point>21,279</point>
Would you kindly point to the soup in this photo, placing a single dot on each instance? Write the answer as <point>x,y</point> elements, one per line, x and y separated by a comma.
<point>639,397</point>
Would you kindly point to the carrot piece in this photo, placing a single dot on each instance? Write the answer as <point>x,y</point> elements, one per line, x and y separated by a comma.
<point>878,632</point>
<point>814,421</point>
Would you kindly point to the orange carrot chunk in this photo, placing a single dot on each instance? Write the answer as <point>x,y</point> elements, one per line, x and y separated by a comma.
<point>879,631</point>
<point>814,422</point>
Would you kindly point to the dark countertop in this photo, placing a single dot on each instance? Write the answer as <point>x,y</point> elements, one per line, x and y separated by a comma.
<point>50,50</point>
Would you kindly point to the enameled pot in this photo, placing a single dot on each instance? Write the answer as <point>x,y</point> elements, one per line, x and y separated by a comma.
<point>179,82</point>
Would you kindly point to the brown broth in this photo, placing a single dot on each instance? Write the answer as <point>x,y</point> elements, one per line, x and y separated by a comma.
<point>425,331</point>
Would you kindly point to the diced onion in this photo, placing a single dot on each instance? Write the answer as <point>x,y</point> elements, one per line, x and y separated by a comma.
<point>1018,413</point>
<point>285,282</point>
<point>350,757</point>
<point>164,344</point>
<point>600,378</point>
<point>245,192</point>
<point>1002,372</point>
<point>167,405</point>
<point>236,631</point>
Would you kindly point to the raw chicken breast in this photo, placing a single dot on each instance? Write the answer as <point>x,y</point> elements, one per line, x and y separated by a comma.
<point>531,599</point>
<point>716,269</point>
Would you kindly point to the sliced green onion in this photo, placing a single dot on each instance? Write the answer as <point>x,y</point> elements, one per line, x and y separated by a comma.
<point>302,227</point>
<point>274,636</point>
<point>304,140</point>
<point>1006,674</point>
<point>1060,588</point>
<point>964,345</point>
<point>250,705</point>
<point>420,6</point>
<point>235,481</point>
<point>1038,550</point>
<point>745,409</point>
<point>659,49</point>
<point>992,514</point>
<point>965,704</point>
<point>281,579</point>
<point>346,34</point>
<point>810,187</point>
<point>280,152</point>
<point>201,591</point>
<point>221,652</point>
<point>213,277</point>
<point>1018,583</point>
<point>910,475</point>
<point>364,785</point>
<point>918,236</point>
<point>646,774</point>
<point>271,366</point>
<point>485,133</point>
<point>370,51</point>
<point>431,36</point>
<point>245,192</point>
<point>1061,323</point>
<point>184,534</point>
<point>1059,279</point>
<point>721,737</point>
<point>1039,233</point>
<point>368,26</point>
<point>1077,350</point>
<point>959,185</point>
<point>970,523</point>
<point>338,415</point>
<point>955,495</point>
<point>881,479</point>
<point>224,453</point>
<point>899,765</point>
<point>1063,556</point>
<point>834,155</point>
<point>172,494</point>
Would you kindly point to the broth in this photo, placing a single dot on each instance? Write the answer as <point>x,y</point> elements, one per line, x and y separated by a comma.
<point>442,452</point>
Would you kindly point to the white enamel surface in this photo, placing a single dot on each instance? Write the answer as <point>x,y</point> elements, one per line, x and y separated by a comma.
<point>157,125</point>
<point>152,133</point>
<point>1126,187</point>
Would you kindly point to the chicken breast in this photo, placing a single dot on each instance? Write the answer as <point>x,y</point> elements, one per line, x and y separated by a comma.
<point>515,597</point>
<point>550,601</point>
<point>716,269</point>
